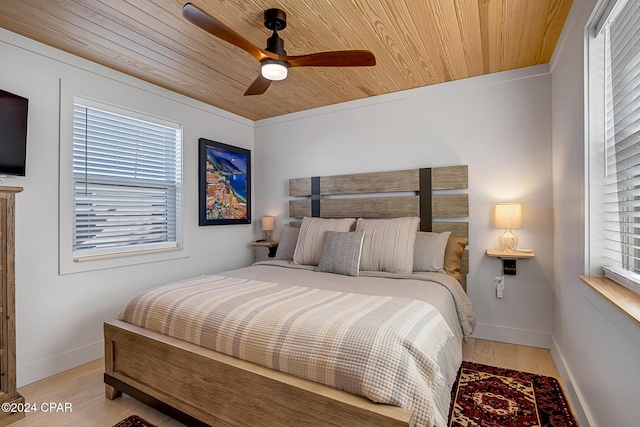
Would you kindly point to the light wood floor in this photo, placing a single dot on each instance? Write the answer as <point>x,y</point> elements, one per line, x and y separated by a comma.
<point>84,389</point>
<point>529,359</point>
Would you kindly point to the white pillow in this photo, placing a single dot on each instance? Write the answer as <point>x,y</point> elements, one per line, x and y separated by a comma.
<point>311,238</point>
<point>428,254</point>
<point>388,244</point>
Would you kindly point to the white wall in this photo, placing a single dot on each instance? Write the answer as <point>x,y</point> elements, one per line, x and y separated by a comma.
<point>499,125</point>
<point>59,317</point>
<point>595,346</point>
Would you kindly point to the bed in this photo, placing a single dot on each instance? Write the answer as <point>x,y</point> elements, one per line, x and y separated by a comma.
<point>221,376</point>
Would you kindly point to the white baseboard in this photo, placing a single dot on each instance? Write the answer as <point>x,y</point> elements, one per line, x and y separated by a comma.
<point>35,371</point>
<point>484,331</point>
<point>575,396</point>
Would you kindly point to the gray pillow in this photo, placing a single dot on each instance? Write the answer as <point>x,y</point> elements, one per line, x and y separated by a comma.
<point>287,244</point>
<point>428,254</point>
<point>341,253</point>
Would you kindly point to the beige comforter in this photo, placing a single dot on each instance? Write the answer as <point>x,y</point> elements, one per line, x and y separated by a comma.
<point>384,347</point>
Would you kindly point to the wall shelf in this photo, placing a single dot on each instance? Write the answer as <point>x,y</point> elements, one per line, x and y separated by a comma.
<point>509,258</point>
<point>497,253</point>
<point>273,246</point>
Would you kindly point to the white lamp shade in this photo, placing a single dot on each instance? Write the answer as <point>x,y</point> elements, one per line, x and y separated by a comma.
<point>274,71</point>
<point>508,215</point>
<point>268,223</point>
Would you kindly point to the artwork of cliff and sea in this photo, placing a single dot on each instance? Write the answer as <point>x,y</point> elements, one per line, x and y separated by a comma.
<point>225,184</point>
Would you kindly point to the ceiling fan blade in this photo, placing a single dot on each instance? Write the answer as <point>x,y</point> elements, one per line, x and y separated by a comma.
<point>258,87</point>
<point>338,58</point>
<point>208,23</point>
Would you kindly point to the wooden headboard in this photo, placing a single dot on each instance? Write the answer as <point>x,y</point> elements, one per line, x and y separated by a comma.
<point>438,197</point>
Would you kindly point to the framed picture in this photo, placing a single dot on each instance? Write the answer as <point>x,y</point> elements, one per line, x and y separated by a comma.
<point>225,184</point>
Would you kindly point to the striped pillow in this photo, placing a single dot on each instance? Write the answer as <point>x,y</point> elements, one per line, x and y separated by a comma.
<point>311,237</point>
<point>388,244</point>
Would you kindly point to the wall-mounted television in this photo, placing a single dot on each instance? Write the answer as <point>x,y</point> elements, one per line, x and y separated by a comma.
<point>13,133</point>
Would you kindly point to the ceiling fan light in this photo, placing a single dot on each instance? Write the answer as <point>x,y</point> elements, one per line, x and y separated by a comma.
<point>274,71</point>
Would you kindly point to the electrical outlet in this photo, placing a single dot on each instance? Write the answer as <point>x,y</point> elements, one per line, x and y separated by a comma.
<point>499,283</point>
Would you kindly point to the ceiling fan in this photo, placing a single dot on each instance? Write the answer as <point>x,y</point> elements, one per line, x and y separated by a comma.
<point>274,59</point>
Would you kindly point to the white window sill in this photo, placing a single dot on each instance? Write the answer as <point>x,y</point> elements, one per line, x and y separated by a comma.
<point>69,265</point>
<point>125,254</point>
<point>625,300</point>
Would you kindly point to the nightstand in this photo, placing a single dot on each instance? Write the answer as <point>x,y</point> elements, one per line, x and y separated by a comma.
<point>273,246</point>
<point>509,258</point>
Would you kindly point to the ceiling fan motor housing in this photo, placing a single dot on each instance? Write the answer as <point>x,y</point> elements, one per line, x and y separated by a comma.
<point>276,45</point>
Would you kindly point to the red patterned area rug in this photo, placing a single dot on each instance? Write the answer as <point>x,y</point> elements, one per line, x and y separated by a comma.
<point>486,396</point>
<point>134,421</point>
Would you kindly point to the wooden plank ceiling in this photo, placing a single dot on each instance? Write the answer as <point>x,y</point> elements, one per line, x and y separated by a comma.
<point>416,43</point>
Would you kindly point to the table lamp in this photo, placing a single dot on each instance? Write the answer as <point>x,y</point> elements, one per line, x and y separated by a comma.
<point>268,224</point>
<point>508,216</point>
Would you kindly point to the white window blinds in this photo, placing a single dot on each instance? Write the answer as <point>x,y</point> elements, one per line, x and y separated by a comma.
<point>126,174</point>
<point>622,145</point>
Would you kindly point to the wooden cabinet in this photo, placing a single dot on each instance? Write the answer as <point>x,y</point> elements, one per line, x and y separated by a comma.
<point>8,391</point>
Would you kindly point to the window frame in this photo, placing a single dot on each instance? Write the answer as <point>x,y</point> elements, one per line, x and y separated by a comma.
<point>131,100</point>
<point>84,255</point>
<point>595,141</point>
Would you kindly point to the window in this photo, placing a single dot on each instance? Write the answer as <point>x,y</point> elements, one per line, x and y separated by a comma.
<point>617,50</point>
<point>127,182</point>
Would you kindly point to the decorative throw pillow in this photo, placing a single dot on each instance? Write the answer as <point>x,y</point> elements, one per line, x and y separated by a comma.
<point>428,254</point>
<point>287,243</point>
<point>311,237</point>
<point>341,253</point>
<point>453,256</point>
<point>388,244</point>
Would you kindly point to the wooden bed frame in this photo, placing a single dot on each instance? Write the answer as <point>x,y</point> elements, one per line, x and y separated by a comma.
<point>202,387</point>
